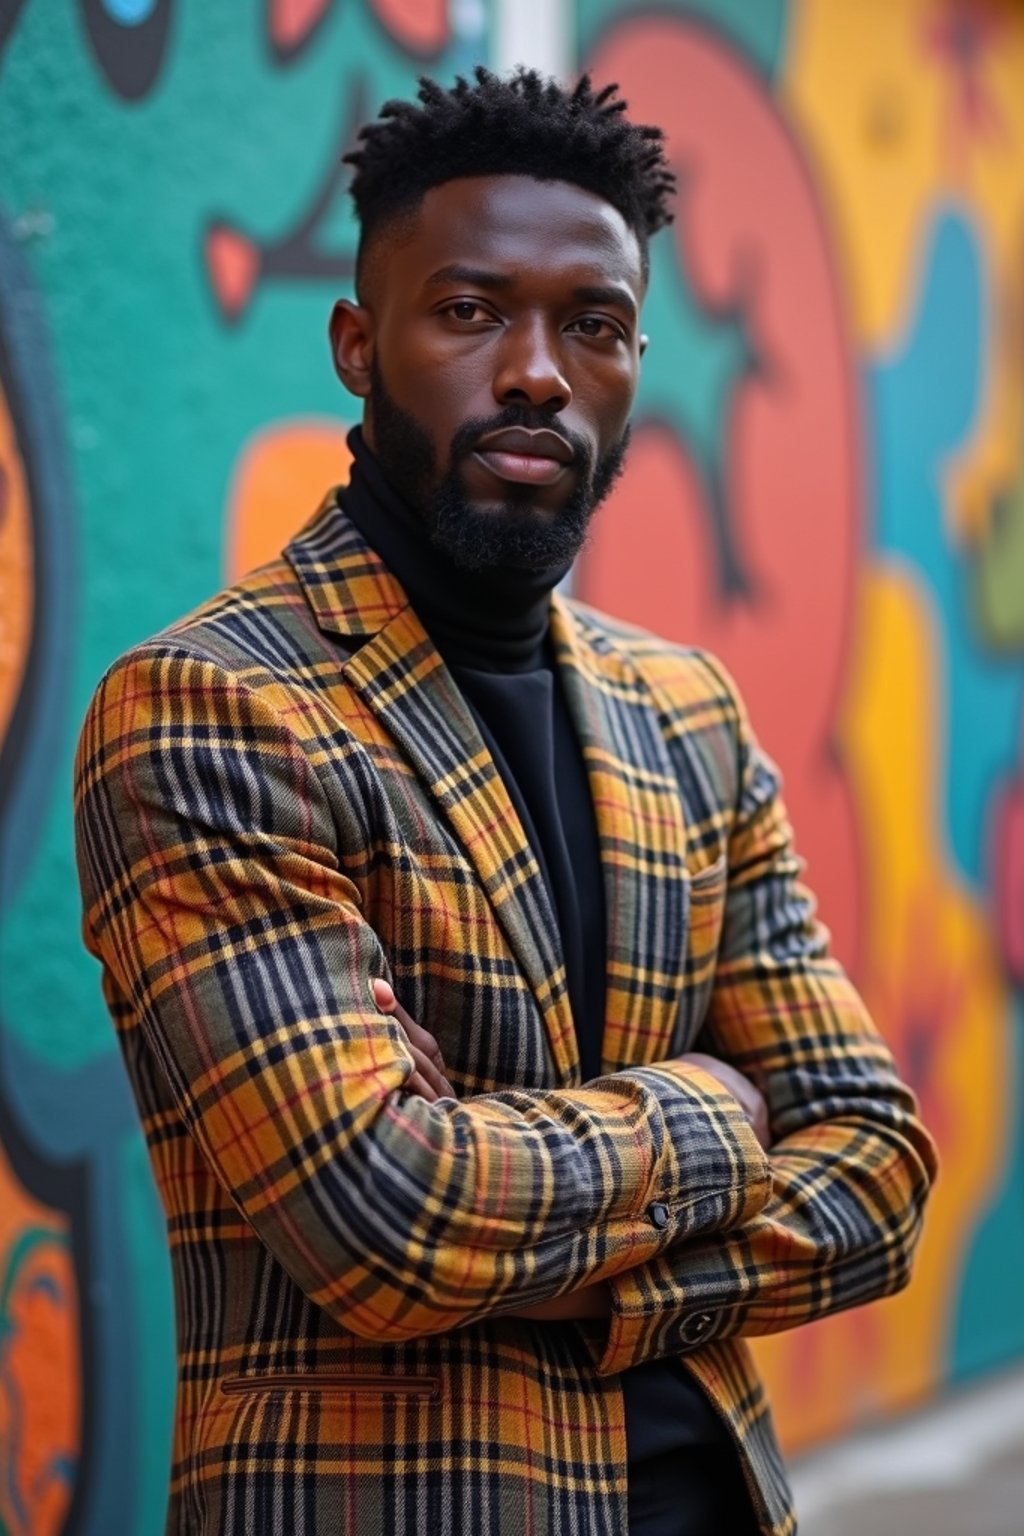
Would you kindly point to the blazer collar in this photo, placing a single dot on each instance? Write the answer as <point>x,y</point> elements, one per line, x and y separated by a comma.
<point>400,675</point>
<point>348,586</point>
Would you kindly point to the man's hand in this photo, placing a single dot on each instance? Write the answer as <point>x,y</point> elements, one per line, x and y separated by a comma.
<point>428,1081</point>
<point>751,1099</point>
<point>590,1301</point>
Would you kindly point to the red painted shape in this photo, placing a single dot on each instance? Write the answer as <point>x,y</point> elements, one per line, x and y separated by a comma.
<point>290,22</point>
<point>962,36</point>
<point>1009,877</point>
<point>419,26</point>
<point>233,262</point>
<point>750,239</point>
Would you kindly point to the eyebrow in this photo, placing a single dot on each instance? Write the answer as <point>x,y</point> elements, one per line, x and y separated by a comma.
<point>480,277</point>
<point>477,277</point>
<point>595,293</point>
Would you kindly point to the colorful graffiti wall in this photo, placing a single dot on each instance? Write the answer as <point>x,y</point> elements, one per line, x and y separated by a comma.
<point>826,487</point>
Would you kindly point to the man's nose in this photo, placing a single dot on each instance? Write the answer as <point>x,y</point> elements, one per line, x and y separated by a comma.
<point>531,370</point>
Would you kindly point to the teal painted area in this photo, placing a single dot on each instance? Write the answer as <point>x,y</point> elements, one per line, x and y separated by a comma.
<point>694,359</point>
<point>757,30</point>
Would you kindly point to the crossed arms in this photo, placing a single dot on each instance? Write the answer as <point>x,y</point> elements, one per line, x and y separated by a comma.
<point>237,945</point>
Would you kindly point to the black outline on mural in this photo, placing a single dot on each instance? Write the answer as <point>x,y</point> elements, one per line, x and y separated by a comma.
<point>130,57</point>
<point>295,254</point>
<point>62,1187</point>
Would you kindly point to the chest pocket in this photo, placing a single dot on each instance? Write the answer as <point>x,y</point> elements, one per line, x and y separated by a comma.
<point>707,891</point>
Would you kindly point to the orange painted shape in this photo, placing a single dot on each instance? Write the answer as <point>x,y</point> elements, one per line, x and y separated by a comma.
<point>421,26</point>
<point>290,21</point>
<point>40,1383</point>
<point>280,478</point>
<point>17,591</point>
<point>233,262</point>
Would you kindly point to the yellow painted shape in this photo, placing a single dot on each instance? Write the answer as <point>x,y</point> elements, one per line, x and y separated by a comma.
<point>932,981</point>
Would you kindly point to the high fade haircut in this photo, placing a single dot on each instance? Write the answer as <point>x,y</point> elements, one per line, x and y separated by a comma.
<point>521,124</point>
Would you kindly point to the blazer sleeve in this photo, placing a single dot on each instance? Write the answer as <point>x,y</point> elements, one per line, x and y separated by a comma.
<point>213,895</point>
<point>851,1162</point>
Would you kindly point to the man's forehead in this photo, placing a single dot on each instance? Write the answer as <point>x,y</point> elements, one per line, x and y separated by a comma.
<point>513,220</point>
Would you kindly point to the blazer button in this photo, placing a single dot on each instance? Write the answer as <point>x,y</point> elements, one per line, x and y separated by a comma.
<point>697,1327</point>
<point>658,1215</point>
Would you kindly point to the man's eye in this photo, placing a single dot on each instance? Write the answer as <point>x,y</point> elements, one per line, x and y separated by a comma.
<point>466,309</point>
<point>598,326</point>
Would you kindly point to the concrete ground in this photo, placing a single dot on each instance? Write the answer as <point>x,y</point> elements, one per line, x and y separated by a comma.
<point>956,1469</point>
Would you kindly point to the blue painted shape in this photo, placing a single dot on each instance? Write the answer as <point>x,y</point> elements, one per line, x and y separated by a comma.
<point>129,13</point>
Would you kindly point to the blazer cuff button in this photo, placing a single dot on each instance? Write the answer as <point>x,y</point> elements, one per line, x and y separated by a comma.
<point>696,1327</point>
<point>658,1215</point>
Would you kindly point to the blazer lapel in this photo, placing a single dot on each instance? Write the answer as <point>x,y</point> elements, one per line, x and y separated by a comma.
<point>642,831</point>
<point>400,675</point>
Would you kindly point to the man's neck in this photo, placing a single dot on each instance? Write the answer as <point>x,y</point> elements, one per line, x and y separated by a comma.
<point>494,620</point>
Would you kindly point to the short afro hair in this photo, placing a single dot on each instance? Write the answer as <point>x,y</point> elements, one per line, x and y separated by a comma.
<point>521,124</point>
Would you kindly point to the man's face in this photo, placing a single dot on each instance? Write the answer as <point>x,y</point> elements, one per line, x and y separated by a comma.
<point>498,350</point>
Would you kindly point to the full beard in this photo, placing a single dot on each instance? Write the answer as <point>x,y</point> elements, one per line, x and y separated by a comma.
<point>515,535</point>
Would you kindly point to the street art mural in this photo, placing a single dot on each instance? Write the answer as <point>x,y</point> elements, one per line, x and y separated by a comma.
<point>826,487</point>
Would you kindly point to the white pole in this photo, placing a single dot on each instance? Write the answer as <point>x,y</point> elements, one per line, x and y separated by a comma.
<point>539,33</point>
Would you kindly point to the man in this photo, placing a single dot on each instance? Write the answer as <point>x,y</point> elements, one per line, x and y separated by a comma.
<point>415,888</point>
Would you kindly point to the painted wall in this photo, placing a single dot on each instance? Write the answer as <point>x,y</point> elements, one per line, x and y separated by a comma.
<point>828,462</point>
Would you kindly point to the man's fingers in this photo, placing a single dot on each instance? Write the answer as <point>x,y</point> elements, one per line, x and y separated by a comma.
<point>425,1049</point>
<point>426,1080</point>
<point>383,995</point>
<point>439,1084</point>
<point>386,1000</point>
<point>424,1041</point>
<point>418,1085</point>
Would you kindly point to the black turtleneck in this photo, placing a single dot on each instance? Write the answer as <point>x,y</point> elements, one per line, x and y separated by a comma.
<point>491,628</point>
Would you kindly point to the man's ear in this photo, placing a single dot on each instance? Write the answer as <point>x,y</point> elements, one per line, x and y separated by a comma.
<point>351,332</point>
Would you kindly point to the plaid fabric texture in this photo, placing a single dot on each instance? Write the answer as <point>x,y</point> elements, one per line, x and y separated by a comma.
<point>284,796</point>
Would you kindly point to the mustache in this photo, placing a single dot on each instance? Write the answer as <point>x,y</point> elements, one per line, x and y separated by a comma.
<point>469,434</point>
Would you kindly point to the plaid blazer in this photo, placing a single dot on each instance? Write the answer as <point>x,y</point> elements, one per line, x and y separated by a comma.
<point>284,796</point>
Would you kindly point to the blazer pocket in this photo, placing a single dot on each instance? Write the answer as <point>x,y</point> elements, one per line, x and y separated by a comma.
<point>707,892</point>
<point>333,1382</point>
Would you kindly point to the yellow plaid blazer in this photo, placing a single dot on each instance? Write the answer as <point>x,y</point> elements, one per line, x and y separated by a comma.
<point>284,796</point>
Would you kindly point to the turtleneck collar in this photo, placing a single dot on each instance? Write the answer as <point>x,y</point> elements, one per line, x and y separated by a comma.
<point>495,621</point>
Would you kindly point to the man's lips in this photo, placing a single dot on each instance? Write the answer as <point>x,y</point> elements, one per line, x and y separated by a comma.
<point>525,457</point>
